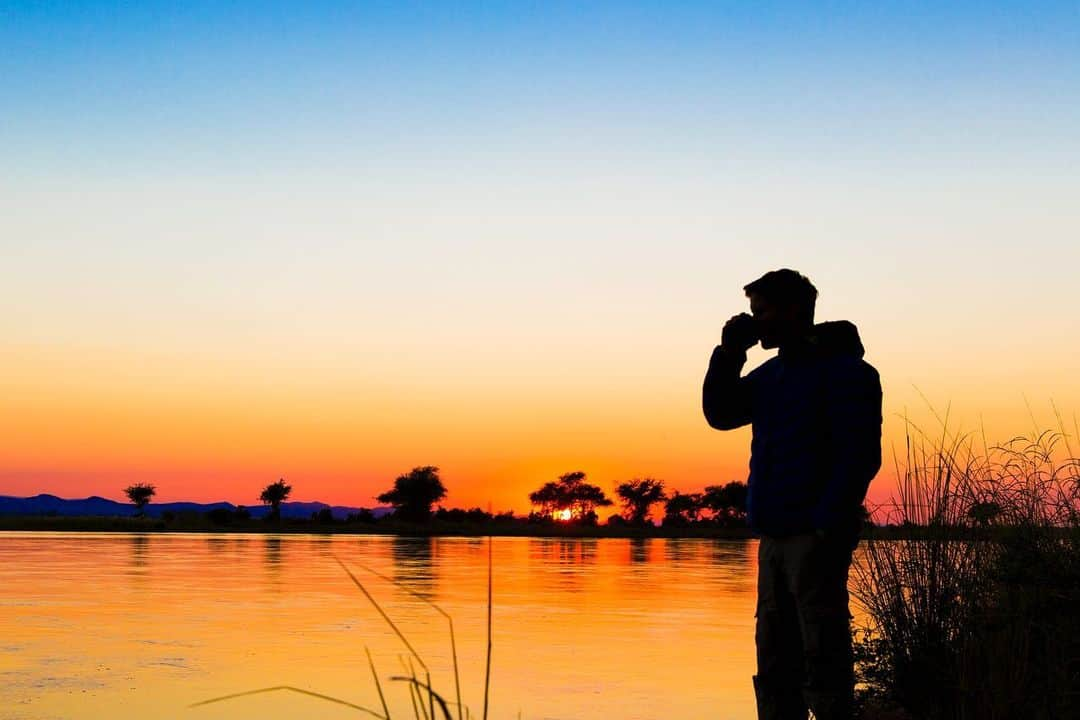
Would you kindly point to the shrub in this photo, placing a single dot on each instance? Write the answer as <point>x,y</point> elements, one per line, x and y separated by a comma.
<point>220,516</point>
<point>975,611</point>
<point>363,516</point>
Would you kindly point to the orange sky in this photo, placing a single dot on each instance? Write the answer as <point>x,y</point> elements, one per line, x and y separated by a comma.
<point>218,337</point>
<point>206,429</point>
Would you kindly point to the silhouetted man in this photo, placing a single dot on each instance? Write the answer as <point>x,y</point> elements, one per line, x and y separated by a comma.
<point>815,409</point>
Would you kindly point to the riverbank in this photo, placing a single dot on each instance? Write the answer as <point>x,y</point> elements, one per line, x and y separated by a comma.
<point>437,528</point>
<point>382,527</point>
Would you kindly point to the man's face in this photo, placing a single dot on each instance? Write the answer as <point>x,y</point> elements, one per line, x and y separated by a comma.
<point>775,323</point>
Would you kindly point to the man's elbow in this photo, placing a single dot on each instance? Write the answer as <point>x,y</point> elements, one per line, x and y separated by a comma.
<point>719,420</point>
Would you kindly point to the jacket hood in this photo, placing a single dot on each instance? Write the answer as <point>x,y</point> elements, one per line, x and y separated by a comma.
<point>838,337</point>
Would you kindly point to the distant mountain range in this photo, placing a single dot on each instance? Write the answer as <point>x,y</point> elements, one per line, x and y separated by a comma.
<point>99,506</point>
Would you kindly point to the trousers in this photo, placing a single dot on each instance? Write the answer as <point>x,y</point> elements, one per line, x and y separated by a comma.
<point>803,630</point>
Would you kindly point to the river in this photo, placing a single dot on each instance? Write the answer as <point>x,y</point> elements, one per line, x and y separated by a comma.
<point>120,625</point>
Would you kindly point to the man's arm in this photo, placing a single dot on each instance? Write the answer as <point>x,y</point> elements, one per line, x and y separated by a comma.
<point>725,397</point>
<point>853,442</point>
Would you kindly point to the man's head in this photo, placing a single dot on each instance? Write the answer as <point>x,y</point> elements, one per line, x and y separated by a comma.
<point>782,303</point>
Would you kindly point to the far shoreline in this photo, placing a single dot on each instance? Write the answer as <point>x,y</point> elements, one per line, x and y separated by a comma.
<point>297,526</point>
<point>390,528</point>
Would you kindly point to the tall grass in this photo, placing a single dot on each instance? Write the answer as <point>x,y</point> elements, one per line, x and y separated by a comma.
<point>974,610</point>
<point>423,696</point>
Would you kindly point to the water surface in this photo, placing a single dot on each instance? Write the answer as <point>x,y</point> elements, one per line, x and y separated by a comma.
<point>127,625</point>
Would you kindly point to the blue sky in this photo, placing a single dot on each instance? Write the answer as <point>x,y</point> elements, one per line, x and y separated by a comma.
<point>234,87</point>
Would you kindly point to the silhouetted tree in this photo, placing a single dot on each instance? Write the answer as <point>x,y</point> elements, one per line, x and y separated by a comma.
<point>477,515</point>
<point>727,503</point>
<point>414,493</point>
<point>549,499</point>
<point>616,520</point>
<point>681,509</point>
<point>455,515</point>
<point>363,516</point>
<point>638,496</point>
<point>460,515</point>
<point>273,495</point>
<point>139,494</point>
<point>221,516</point>
<point>572,495</point>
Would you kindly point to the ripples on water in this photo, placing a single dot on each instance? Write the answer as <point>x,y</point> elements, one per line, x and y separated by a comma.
<point>131,626</point>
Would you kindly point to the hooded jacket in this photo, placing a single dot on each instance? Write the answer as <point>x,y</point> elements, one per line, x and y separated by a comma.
<point>815,409</point>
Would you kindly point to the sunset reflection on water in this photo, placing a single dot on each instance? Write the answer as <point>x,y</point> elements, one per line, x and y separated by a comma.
<point>129,625</point>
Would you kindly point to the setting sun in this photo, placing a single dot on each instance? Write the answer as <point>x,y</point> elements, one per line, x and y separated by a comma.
<point>562,514</point>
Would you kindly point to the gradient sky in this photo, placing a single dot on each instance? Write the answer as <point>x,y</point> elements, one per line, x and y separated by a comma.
<point>333,241</point>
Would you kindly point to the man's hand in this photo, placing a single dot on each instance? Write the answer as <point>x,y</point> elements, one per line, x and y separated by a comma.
<point>739,333</point>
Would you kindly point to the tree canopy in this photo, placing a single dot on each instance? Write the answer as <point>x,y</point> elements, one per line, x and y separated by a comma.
<point>274,494</point>
<point>638,496</point>
<point>682,509</point>
<point>414,493</point>
<point>570,498</point>
<point>139,494</point>
<point>727,503</point>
